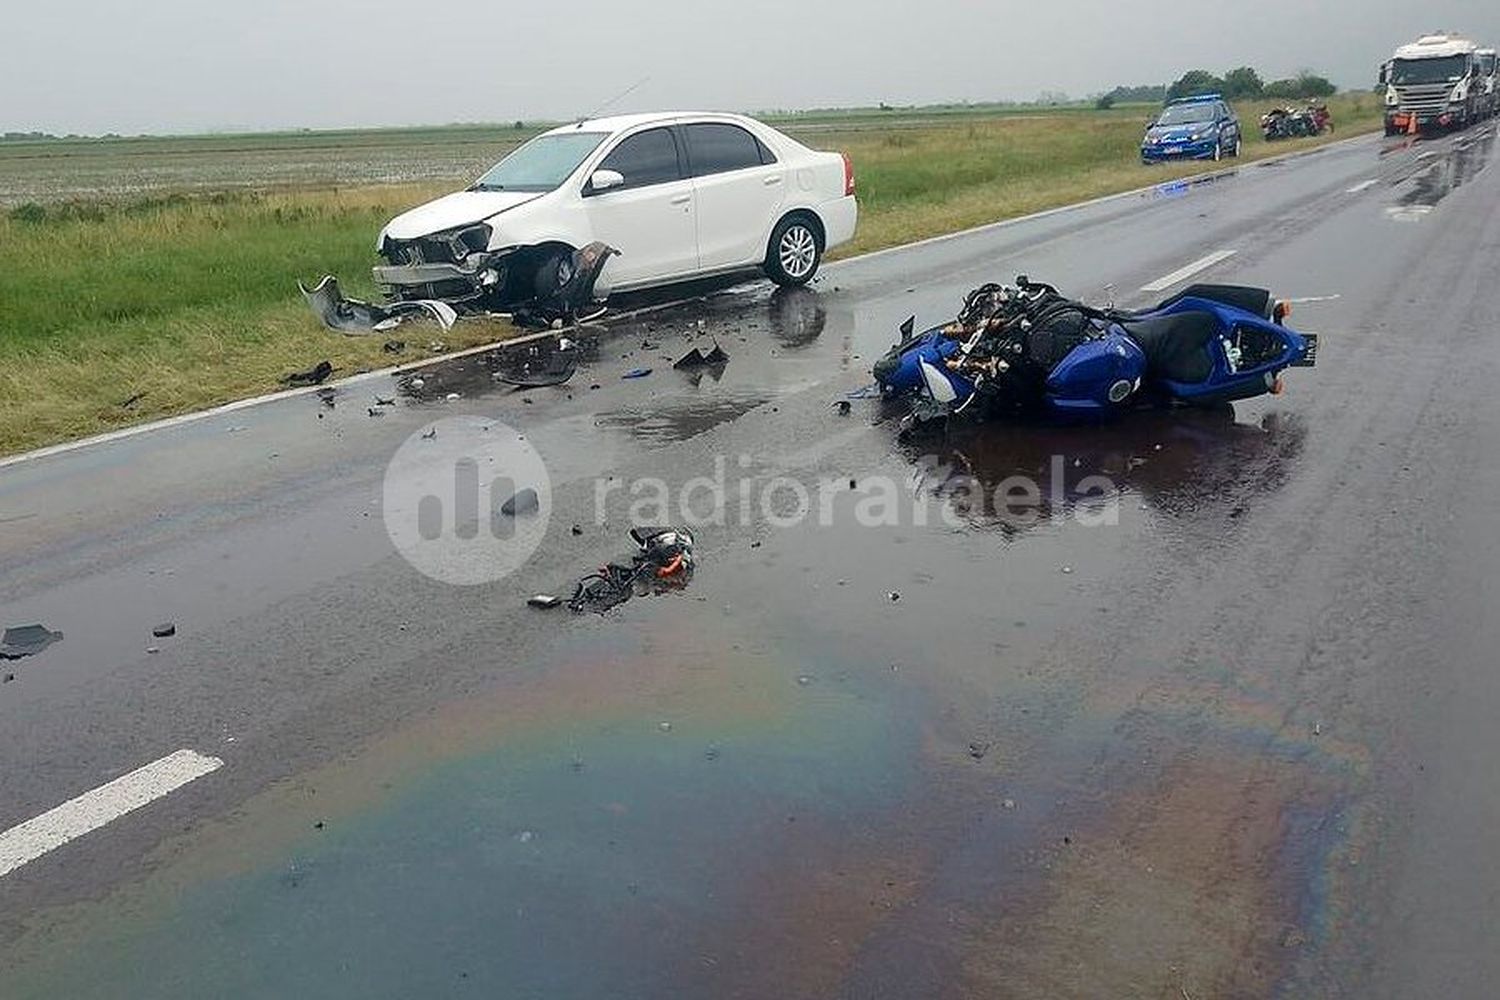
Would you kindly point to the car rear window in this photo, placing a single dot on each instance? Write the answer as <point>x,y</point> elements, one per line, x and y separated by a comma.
<point>717,149</point>
<point>645,158</point>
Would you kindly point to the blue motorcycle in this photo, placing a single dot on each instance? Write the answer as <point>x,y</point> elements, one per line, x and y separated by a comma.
<point>1028,349</point>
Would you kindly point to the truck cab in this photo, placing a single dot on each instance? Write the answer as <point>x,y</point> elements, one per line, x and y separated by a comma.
<point>1434,83</point>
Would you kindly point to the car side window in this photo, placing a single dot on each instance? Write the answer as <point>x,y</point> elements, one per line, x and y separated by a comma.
<point>645,158</point>
<point>718,149</point>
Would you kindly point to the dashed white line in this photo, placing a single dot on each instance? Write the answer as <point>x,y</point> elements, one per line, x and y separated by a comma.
<point>1183,273</point>
<point>21,845</point>
<point>1363,186</point>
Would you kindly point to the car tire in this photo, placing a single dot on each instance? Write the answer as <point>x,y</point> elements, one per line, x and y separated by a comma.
<point>795,251</point>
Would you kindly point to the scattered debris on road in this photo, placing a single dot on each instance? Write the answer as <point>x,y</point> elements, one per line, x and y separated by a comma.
<point>22,641</point>
<point>165,630</point>
<point>545,601</point>
<point>664,562</point>
<point>637,373</point>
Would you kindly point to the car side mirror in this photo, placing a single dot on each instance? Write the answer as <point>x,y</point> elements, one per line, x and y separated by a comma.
<point>1385,75</point>
<point>606,180</point>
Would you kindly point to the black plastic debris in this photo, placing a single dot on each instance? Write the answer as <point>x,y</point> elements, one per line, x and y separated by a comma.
<point>524,502</point>
<point>698,358</point>
<point>664,562</point>
<point>165,630</point>
<point>316,375</point>
<point>545,601</point>
<point>380,401</point>
<point>540,366</point>
<point>129,404</point>
<point>26,640</point>
<point>637,373</point>
<point>843,407</point>
<point>394,346</point>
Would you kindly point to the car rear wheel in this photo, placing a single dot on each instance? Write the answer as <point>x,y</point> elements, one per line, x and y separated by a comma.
<point>795,251</point>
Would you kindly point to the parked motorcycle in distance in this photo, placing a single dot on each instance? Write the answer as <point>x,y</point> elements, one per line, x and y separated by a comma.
<point>1027,349</point>
<point>1287,122</point>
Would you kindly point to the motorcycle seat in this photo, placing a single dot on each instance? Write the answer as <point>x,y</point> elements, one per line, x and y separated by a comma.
<point>1176,347</point>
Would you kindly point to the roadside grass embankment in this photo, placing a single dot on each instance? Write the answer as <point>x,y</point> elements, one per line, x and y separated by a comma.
<point>118,311</point>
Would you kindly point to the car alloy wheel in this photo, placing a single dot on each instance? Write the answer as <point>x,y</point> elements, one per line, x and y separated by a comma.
<point>798,251</point>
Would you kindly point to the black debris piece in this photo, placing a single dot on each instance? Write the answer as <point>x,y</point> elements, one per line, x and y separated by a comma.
<point>663,562</point>
<point>577,530</point>
<point>430,435</point>
<point>164,630</point>
<point>524,502</point>
<point>384,402</point>
<point>130,403</point>
<point>328,397</point>
<point>843,407</point>
<point>316,375</point>
<point>26,640</point>
<point>545,601</point>
<point>978,750</point>
<point>698,358</point>
<point>376,413</point>
<point>637,373</point>
<point>540,365</point>
<point>394,346</point>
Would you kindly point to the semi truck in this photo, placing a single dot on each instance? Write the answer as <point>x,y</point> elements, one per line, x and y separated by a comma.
<point>1434,83</point>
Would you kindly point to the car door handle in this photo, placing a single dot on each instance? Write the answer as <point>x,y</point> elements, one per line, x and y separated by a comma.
<point>682,199</point>
<point>773,181</point>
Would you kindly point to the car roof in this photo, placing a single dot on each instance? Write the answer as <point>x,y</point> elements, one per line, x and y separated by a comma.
<point>1198,99</point>
<point>622,123</point>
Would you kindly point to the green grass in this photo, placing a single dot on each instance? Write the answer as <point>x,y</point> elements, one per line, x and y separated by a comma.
<point>187,298</point>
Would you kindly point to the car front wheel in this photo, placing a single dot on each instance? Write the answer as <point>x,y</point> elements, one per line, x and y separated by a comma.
<point>795,252</point>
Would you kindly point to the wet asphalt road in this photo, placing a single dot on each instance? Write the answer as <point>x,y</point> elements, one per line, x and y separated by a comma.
<point>1224,728</point>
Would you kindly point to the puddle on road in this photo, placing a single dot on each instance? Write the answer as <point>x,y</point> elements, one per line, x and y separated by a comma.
<point>1434,175</point>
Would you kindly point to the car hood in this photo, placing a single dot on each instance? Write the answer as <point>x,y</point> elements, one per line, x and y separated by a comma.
<point>463,208</point>
<point>1177,133</point>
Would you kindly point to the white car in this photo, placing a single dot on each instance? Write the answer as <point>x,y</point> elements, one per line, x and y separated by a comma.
<point>678,195</point>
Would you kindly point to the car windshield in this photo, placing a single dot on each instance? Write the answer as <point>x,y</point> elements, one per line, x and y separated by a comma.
<point>542,164</point>
<point>1409,71</point>
<point>1186,114</point>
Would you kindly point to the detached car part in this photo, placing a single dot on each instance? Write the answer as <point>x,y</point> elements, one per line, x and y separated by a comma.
<point>357,318</point>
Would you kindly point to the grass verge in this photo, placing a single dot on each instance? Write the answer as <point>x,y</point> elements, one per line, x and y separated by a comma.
<point>116,312</point>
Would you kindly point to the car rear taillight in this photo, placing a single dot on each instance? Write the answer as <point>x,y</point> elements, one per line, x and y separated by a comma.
<point>848,176</point>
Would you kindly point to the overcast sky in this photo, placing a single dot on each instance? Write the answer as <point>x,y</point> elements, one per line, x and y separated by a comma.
<point>94,66</point>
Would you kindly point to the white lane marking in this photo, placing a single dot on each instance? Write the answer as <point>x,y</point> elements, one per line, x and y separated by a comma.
<point>1314,298</point>
<point>1363,186</point>
<point>1183,273</point>
<point>187,418</point>
<point>23,844</point>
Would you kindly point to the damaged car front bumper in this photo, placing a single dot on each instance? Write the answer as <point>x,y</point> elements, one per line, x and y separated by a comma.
<point>455,267</point>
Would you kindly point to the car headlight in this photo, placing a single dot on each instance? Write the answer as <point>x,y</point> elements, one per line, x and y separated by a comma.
<point>1459,93</point>
<point>1391,97</point>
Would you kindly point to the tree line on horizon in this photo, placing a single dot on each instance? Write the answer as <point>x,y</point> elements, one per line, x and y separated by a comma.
<point>1244,83</point>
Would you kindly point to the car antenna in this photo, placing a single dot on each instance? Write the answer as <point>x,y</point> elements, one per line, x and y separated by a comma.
<point>616,99</point>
